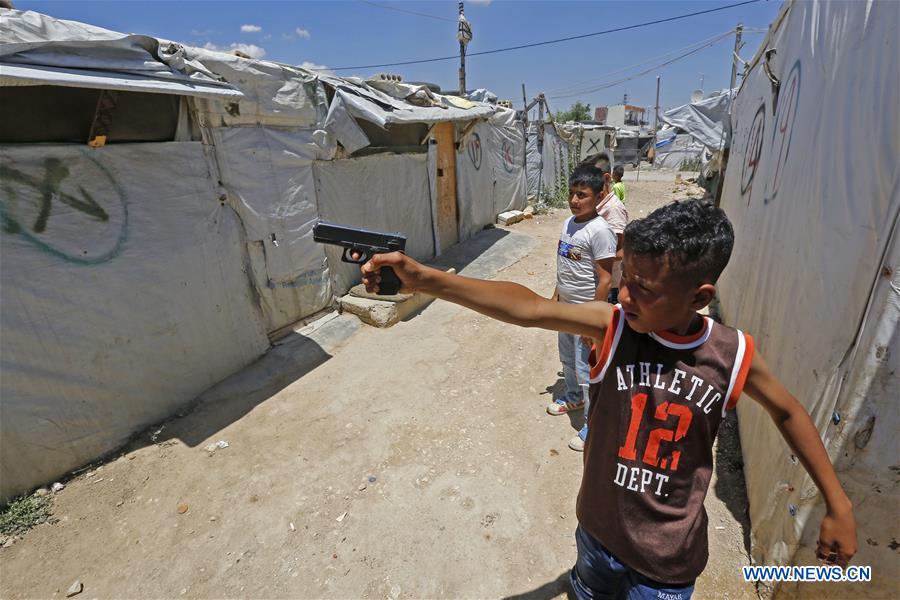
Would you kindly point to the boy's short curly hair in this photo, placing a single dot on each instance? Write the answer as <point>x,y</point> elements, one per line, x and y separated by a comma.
<point>589,176</point>
<point>599,160</point>
<point>694,235</point>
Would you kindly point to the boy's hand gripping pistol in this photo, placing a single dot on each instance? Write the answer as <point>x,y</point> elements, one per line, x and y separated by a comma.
<point>365,243</point>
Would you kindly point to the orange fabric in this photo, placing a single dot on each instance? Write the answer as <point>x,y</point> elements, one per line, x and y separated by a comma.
<point>596,367</point>
<point>683,339</point>
<point>742,373</point>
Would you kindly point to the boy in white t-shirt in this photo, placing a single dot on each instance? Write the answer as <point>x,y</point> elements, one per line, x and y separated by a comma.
<point>585,256</point>
<point>613,212</point>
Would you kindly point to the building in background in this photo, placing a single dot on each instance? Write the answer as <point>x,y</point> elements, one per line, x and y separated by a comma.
<point>621,115</point>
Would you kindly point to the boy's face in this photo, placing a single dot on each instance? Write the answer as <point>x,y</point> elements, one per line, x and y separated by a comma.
<point>616,177</point>
<point>655,297</point>
<point>583,202</point>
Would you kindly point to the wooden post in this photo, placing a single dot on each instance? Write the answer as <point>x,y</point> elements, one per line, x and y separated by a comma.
<point>447,213</point>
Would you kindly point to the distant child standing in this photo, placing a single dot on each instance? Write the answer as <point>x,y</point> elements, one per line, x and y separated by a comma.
<point>618,185</point>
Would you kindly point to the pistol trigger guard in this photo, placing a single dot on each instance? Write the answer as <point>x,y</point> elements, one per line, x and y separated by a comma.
<point>363,259</point>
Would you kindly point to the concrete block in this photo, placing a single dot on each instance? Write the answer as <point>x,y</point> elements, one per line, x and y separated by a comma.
<point>384,311</point>
<point>372,312</point>
<point>509,217</point>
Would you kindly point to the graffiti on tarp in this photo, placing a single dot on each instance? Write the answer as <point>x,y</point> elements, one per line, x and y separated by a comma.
<point>475,151</point>
<point>753,150</point>
<point>48,207</point>
<point>785,115</point>
<point>506,151</point>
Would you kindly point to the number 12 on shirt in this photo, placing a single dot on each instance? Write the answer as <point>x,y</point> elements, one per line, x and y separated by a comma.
<point>628,450</point>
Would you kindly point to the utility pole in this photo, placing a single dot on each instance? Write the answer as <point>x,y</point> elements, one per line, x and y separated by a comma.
<point>734,57</point>
<point>724,152</point>
<point>464,35</point>
<point>656,115</point>
<point>525,110</point>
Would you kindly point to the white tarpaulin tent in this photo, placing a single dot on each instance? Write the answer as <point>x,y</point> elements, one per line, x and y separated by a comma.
<point>674,149</point>
<point>491,160</point>
<point>109,321</point>
<point>135,275</point>
<point>39,50</point>
<point>706,120</point>
<point>547,160</point>
<point>812,189</point>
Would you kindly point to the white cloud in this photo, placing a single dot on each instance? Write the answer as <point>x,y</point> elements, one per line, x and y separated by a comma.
<point>201,32</point>
<point>302,33</point>
<point>250,28</point>
<point>251,50</point>
<point>481,2</point>
<point>311,66</point>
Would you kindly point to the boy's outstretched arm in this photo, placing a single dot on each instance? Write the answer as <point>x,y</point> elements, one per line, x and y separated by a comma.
<point>501,300</point>
<point>837,535</point>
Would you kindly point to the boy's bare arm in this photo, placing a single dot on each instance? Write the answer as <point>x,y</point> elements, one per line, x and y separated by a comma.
<point>837,535</point>
<point>604,269</point>
<point>501,300</point>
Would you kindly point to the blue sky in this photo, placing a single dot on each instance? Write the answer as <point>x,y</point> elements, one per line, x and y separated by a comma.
<point>352,33</point>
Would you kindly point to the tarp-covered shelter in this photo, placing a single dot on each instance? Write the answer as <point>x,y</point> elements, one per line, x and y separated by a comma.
<point>693,130</point>
<point>705,120</point>
<point>157,205</point>
<point>673,149</point>
<point>548,159</point>
<point>812,189</point>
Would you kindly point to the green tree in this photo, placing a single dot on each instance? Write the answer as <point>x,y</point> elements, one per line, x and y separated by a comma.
<point>577,112</point>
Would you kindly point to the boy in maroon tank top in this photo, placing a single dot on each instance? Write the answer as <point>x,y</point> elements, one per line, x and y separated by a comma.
<point>661,382</point>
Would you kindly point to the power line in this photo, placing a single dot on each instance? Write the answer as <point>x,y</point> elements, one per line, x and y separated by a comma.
<point>548,42</point>
<point>578,85</point>
<point>409,12</point>
<point>641,74</point>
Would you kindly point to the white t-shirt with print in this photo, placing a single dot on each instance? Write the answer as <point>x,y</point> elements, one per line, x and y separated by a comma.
<point>580,246</point>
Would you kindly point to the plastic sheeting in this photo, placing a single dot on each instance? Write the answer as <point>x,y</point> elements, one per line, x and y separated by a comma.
<point>37,49</point>
<point>160,268</point>
<point>122,302</point>
<point>490,173</point>
<point>385,192</point>
<point>811,272</point>
<point>595,140</point>
<point>672,152</point>
<point>364,102</point>
<point>273,94</point>
<point>706,121</point>
<point>547,169</point>
<point>269,181</point>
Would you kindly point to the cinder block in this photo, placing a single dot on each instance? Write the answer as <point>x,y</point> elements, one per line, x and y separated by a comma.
<point>377,313</point>
<point>509,217</point>
<point>384,311</point>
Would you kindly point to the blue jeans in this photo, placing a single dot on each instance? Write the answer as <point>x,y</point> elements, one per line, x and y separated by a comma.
<point>599,575</point>
<point>574,358</point>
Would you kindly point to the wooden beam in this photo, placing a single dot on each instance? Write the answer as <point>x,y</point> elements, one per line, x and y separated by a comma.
<point>447,212</point>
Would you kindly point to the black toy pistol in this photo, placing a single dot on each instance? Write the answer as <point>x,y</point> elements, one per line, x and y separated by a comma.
<point>365,243</point>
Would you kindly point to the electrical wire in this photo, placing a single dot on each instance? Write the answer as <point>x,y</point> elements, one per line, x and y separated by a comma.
<point>641,74</point>
<point>409,12</point>
<point>580,84</point>
<point>548,42</point>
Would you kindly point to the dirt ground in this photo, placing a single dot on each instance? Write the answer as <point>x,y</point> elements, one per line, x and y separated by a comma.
<point>412,462</point>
